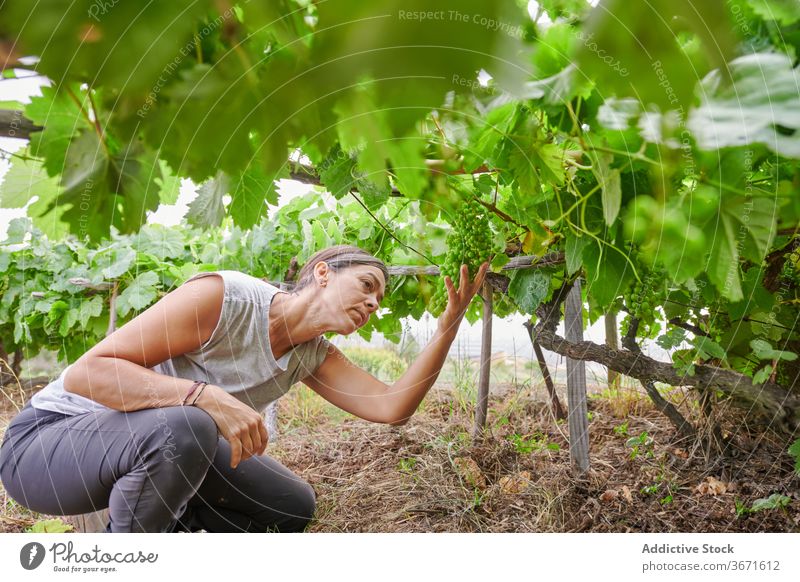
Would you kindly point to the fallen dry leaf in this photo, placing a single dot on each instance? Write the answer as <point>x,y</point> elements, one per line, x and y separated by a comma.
<point>515,484</point>
<point>626,493</point>
<point>609,495</point>
<point>711,486</point>
<point>468,469</point>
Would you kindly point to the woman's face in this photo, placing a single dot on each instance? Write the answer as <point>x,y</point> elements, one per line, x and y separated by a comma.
<point>349,296</point>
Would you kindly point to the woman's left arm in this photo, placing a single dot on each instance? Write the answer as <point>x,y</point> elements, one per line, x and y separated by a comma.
<point>352,389</point>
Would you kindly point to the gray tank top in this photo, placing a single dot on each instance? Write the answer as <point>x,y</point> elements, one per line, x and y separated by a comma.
<point>237,357</point>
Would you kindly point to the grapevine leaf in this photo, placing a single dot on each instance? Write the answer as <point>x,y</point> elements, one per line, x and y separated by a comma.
<point>708,348</point>
<point>607,273</point>
<point>784,11</point>
<point>207,209</point>
<point>139,294</point>
<point>24,180</point>
<point>633,49</point>
<point>160,241</point>
<point>486,138</point>
<point>761,98</point>
<point>528,288</point>
<point>88,309</point>
<point>248,197</point>
<point>573,251</point>
<point>17,229</point>
<point>61,117</point>
<point>169,184</point>
<point>50,526</point>
<point>337,172</point>
<point>672,339</point>
<point>764,351</point>
<point>609,180</point>
<point>762,375</point>
<point>408,166</point>
<point>774,501</point>
<point>794,450</point>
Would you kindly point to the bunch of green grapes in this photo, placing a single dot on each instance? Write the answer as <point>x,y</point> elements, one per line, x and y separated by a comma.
<point>469,243</point>
<point>645,294</point>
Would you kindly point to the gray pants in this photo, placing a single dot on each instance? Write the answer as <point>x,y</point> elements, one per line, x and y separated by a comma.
<point>157,470</point>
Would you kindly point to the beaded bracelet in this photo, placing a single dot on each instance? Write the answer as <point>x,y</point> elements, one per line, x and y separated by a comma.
<point>191,391</point>
<point>196,398</point>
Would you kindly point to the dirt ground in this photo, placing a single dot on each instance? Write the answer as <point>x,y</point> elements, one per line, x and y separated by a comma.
<point>430,476</point>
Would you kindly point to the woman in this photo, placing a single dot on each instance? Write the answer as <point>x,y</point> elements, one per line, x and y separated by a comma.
<point>161,423</point>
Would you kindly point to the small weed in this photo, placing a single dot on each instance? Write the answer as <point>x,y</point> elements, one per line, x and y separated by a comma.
<point>643,444</point>
<point>407,465</point>
<point>526,444</point>
<point>49,526</point>
<point>650,489</point>
<point>741,508</point>
<point>621,429</point>
<point>774,501</point>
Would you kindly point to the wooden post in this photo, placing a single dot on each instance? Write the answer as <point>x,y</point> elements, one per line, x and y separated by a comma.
<point>612,341</point>
<point>482,404</point>
<point>576,384</point>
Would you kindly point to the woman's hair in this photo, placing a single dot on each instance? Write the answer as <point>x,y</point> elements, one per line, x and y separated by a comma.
<point>338,257</point>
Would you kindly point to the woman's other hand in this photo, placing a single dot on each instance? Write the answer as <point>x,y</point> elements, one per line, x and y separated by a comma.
<point>458,300</point>
<point>239,424</point>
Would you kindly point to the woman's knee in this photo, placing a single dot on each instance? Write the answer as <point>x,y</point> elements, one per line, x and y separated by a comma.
<point>183,431</point>
<point>304,504</point>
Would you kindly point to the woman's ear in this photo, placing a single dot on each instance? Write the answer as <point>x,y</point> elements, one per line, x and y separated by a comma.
<point>321,273</point>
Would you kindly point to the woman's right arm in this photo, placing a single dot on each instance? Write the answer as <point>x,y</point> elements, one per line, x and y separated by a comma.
<point>115,371</point>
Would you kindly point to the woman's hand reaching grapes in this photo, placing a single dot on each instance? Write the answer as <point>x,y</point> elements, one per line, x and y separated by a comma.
<point>458,300</point>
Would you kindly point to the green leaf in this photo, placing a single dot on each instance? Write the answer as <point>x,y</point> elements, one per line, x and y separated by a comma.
<point>784,11</point>
<point>208,209</point>
<point>764,351</point>
<point>408,166</point>
<point>24,180</point>
<point>633,49</point>
<point>761,98</point>
<point>672,339</point>
<point>17,229</point>
<point>161,241</point>
<point>746,222</point>
<point>528,288</point>
<point>609,180</point>
<point>337,172</point>
<point>762,375</point>
<point>794,450</point>
<point>169,184</point>
<point>115,261</point>
<point>50,526</point>
<point>774,501</point>
<point>708,348</point>
<point>124,45</point>
<point>139,294</point>
<point>62,118</point>
<point>89,309</point>
<point>573,251</point>
<point>607,273</point>
<point>248,197</point>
